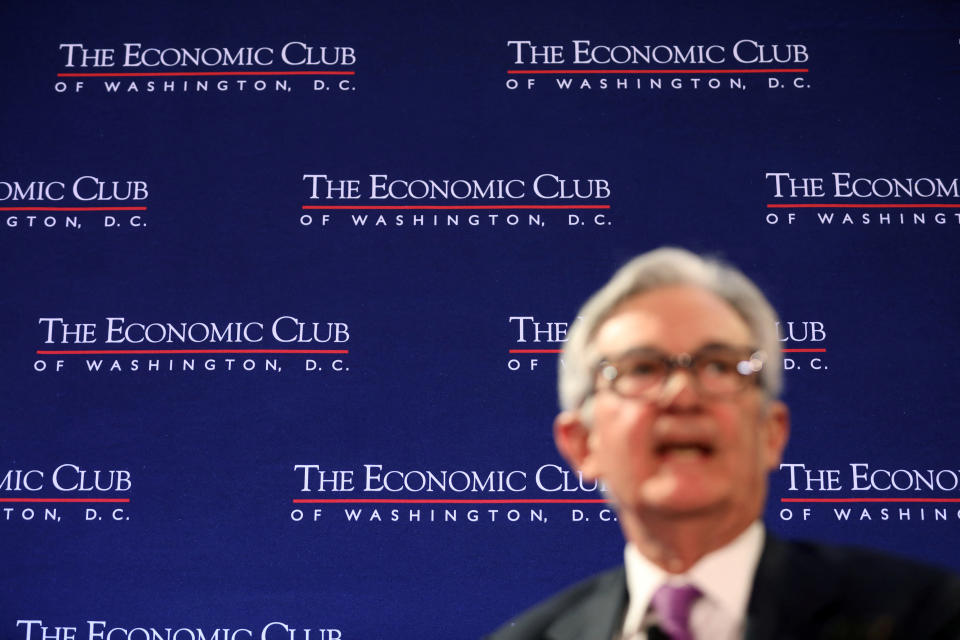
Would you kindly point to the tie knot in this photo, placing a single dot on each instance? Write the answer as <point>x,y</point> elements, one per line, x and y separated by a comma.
<point>673,605</point>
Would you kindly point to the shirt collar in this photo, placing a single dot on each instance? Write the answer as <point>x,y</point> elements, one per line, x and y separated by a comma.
<point>723,576</point>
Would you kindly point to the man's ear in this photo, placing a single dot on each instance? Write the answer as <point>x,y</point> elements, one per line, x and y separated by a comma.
<point>572,438</point>
<point>777,428</point>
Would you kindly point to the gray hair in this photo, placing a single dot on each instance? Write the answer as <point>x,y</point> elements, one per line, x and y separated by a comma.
<point>661,268</point>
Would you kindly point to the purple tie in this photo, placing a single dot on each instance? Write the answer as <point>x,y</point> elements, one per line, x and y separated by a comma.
<point>673,605</point>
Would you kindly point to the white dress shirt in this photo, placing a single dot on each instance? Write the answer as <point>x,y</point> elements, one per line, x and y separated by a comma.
<point>724,577</point>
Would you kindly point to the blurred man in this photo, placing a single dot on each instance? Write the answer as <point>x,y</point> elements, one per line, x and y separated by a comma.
<point>669,396</point>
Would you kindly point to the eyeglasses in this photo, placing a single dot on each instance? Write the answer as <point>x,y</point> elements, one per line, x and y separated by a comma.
<point>717,371</point>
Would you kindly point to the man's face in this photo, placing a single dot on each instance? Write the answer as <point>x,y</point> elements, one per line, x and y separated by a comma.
<point>676,453</point>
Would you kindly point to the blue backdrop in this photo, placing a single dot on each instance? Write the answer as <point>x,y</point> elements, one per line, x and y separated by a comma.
<point>284,285</point>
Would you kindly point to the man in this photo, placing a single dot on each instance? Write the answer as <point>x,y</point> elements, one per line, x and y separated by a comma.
<point>669,396</point>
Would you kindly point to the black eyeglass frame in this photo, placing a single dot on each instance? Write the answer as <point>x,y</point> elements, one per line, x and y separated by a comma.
<point>747,368</point>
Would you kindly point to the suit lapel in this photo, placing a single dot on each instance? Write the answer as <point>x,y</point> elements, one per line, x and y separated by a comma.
<point>767,593</point>
<point>596,617</point>
<point>789,594</point>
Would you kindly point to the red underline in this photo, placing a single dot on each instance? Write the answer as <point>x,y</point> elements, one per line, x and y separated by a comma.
<point>869,499</point>
<point>181,351</point>
<point>445,501</point>
<point>862,206</point>
<point>536,350</point>
<point>649,71</point>
<point>454,206</point>
<point>64,499</point>
<point>561,350</point>
<point>73,208</point>
<point>206,73</point>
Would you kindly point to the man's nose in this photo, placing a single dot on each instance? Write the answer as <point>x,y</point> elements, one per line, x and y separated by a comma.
<point>678,390</point>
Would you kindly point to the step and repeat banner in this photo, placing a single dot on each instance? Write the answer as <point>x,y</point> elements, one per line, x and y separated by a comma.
<point>284,287</point>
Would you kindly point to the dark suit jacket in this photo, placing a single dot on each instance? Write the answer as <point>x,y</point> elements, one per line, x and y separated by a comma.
<point>800,591</point>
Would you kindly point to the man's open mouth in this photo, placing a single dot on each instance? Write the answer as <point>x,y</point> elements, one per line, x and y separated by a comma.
<point>684,449</point>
